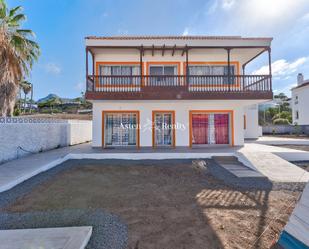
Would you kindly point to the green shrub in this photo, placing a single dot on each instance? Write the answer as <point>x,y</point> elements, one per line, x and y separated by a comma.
<point>281,121</point>
<point>16,112</point>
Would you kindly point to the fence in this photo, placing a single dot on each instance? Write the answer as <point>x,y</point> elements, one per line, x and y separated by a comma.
<point>286,129</point>
<point>22,136</point>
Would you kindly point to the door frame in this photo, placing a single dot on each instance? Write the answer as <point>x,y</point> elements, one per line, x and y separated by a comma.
<point>154,112</point>
<point>230,112</point>
<point>119,112</point>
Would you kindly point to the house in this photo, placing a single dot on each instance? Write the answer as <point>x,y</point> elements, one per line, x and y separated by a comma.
<point>167,91</point>
<point>300,101</point>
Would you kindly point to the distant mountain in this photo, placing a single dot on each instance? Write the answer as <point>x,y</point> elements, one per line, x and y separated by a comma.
<point>52,96</point>
<point>48,97</point>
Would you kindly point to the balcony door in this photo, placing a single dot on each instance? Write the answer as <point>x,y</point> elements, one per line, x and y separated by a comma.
<point>162,75</point>
<point>210,128</point>
<point>163,128</point>
<point>120,129</point>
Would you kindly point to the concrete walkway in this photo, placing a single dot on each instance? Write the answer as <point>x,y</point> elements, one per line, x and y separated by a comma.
<point>273,140</point>
<point>47,238</point>
<point>268,160</point>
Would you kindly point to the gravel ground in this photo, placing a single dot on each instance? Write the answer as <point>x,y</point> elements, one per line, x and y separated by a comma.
<point>165,200</point>
<point>108,230</point>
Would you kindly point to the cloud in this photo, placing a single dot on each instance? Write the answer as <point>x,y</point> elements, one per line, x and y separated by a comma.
<point>283,68</point>
<point>185,32</point>
<point>52,68</point>
<point>228,4</point>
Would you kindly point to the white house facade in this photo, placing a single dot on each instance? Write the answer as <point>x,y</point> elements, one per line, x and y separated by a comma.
<point>300,101</point>
<point>170,91</point>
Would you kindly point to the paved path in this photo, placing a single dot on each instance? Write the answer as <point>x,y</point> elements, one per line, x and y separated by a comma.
<point>47,238</point>
<point>273,140</point>
<point>263,158</point>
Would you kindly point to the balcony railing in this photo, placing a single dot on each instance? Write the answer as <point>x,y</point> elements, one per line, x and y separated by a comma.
<point>192,83</point>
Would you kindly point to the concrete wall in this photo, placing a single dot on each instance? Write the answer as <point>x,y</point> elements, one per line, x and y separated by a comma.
<point>300,103</point>
<point>252,122</point>
<point>181,108</point>
<point>286,129</point>
<point>18,135</point>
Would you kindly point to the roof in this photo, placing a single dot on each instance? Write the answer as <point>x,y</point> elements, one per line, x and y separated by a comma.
<point>181,37</point>
<point>305,83</point>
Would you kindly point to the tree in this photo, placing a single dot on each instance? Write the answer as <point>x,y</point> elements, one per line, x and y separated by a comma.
<point>17,55</point>
<point>26,87</point>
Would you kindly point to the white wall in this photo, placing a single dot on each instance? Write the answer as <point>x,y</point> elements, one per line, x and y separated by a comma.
<point>40,136</point>
<point>181,108</point>
<point>301,105</point>
<point>252,122</point>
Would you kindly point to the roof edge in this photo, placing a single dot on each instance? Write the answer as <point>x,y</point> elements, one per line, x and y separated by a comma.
<point>187,37</point>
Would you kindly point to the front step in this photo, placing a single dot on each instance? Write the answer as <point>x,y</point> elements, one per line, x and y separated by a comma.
<point>232,164</point>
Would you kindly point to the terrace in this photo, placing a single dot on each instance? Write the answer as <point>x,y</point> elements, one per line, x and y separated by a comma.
<point>143,84</point>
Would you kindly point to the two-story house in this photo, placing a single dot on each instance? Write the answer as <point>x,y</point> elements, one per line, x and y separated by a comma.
<point>167,91</point>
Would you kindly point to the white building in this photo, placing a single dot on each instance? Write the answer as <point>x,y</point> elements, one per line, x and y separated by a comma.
<point>300,101</point>
<point>154,91</point>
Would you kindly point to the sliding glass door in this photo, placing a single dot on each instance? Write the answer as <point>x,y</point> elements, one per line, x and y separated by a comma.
<point>120,129</point>
<point>163,130</point>
<point>210,128</point>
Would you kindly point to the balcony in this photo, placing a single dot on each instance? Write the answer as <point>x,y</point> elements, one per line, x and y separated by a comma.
<point>149,87</point>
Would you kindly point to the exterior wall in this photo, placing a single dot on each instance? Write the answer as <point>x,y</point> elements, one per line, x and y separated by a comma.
<point>300,105</point>
<point>238,57</point>
<point>21,136</point>
<point>181,108</point>
<point>252,129</point>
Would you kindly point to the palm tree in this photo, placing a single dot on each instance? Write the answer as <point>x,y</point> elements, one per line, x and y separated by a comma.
<point>26,87</point>
<point>17,55</point>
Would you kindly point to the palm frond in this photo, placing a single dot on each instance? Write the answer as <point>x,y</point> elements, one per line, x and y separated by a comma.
<point>14,11</point>
<point>3,9</point>
<point>15,21</point>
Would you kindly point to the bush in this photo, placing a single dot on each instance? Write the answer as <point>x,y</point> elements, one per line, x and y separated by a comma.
<point>16,112</point>
<point>281,121</point>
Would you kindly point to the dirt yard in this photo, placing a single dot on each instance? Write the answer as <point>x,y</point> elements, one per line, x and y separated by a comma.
<point>170,206</point>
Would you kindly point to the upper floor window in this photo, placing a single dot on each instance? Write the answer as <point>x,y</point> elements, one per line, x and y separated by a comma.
<point>108,75</point>
<point>211,70</point>
<point>124,70</point>
<point>296,115</point>
<point>163,70</point>
<point>162,75</point>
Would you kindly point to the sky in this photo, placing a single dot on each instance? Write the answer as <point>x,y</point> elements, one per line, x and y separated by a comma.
<point>61,25</point>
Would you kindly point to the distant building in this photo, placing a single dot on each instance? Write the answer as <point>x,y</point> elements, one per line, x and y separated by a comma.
<point>300,101</point>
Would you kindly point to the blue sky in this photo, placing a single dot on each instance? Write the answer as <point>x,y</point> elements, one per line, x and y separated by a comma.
<point>61,25</point>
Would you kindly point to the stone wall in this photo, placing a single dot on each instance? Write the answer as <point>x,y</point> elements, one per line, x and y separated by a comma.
<point>22,136</point>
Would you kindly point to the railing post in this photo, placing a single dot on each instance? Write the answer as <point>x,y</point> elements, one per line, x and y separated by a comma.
<point>86,68</point>
<point>229,67</point>
<point>141,51</point>
<point>269,65</point>
<point>187,66</point>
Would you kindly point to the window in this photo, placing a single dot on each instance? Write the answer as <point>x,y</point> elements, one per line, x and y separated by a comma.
<point>108,74</point>
<point>210,70</point>
<point>296,115</point>
<point>163,130</point>
<point>165,75</point>
<point>120,129</point>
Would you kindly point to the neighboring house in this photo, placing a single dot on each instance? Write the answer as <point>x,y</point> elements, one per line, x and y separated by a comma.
<point>167,91</point>
<point>300,101</point>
